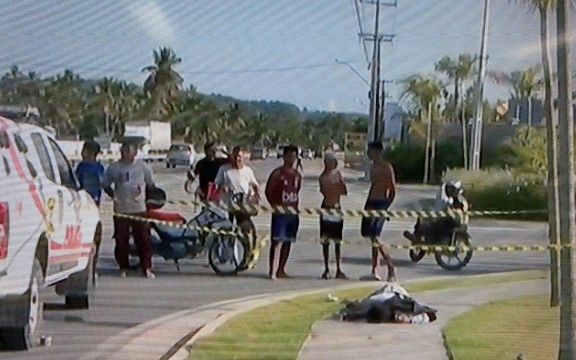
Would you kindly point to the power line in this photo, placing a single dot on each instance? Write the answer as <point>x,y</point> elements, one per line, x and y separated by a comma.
<point>357,10</point>
<point>56,67</point>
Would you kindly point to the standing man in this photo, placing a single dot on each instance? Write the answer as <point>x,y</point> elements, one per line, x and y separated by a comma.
<point>129,179</point>
<point>207,169</point>
<point>236,182</point>
<point>332,187</point>
<point>381,195</point>
<point>282,189</point>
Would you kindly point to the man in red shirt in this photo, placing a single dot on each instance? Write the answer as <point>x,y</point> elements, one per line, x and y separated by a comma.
<point>282,189</point>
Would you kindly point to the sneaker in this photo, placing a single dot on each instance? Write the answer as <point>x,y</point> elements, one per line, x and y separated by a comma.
<point>149,274</point>
<point>123,273</point>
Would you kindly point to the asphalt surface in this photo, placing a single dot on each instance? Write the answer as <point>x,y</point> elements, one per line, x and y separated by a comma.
<point>121,303</point>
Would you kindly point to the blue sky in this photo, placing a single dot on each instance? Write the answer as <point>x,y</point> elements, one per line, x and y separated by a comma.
<point>262,49</point>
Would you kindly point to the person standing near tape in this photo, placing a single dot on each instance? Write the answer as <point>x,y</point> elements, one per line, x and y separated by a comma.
<point>282,189</point>
<point>130,179</point>
<point>381,195</point>
<point>332,187</point>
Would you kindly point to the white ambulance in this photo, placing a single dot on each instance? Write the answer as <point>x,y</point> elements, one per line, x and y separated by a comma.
<point>50,230</point>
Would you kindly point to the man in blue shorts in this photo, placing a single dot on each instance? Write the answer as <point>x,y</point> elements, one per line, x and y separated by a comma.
<point>282,189</point>
<point>381,195</point>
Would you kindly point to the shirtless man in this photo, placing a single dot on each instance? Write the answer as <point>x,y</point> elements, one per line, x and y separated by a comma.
<point>382,193</point>
<point>332,187</point>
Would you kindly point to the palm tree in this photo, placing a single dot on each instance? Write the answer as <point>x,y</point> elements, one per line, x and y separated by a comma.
<point>163,83</point>
<point>63,102</point>
<point>424,94</point>
<point>459,71</point>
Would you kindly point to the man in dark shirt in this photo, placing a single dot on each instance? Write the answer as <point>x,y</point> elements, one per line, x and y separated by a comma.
<point>207,168</point>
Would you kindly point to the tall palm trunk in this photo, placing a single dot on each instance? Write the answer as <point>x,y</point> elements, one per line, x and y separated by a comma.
<point>456,96</point>
<point>428,143</point>
<point>567,346</point>
<point>552,148</point>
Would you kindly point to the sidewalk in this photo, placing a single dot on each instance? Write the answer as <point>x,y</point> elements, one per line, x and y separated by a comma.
<point>170,337</point>
<point>332,339</point>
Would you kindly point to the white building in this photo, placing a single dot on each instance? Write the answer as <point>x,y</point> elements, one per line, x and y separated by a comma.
<point>393,122</point>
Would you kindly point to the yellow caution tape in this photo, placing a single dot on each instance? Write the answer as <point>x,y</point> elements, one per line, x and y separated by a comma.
<point>429,248</point>
<point>350,213</point>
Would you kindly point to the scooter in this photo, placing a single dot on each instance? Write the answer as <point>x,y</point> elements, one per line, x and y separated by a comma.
<point>444,231</point>
<point>210,231</point>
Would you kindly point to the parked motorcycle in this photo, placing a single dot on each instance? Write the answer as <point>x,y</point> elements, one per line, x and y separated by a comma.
<point>227,253</point>
<point>446,231</point>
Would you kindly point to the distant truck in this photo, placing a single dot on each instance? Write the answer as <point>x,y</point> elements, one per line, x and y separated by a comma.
<point>154,138</point>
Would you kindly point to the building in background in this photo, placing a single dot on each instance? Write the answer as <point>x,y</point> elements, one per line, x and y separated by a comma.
<point>393,123</point>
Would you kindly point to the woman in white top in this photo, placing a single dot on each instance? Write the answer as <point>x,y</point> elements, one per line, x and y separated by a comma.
<point>236,181</point>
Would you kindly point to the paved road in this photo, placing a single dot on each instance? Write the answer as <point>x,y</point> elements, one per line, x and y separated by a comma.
<point>120,304</point>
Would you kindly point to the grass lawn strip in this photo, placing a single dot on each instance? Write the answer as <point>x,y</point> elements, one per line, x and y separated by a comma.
<point>505,329</point>
<point>277,331</point>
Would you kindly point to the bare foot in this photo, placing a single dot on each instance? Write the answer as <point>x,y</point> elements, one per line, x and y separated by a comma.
<point>282,275</point>
<point>325,275</point>
<point>341,275</point>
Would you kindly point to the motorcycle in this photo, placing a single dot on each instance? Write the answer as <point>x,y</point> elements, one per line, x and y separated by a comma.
<point>210,231</point>
<point>450,231</point>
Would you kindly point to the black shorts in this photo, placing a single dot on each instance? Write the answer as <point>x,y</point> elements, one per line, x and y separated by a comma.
<point>330,229</point>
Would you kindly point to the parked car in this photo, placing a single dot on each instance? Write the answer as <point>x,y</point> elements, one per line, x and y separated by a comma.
<point>307,154</point>
<point>180,154</point>
<point>50,230</point>
<point>258,153</point>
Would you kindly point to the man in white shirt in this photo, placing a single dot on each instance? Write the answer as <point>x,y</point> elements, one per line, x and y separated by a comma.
<point>237,181</point>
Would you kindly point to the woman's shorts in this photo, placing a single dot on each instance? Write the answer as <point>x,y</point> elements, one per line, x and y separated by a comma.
<point>372,226</point>
<point>285,227</point>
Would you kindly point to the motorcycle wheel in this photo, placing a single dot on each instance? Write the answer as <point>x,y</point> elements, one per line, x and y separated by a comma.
<point>226,254</point>
<point>457,259</point>
<point>416,255</point>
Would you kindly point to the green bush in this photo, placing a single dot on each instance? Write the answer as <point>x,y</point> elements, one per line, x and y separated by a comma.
<point>500,190</point>
<point>408,160</point>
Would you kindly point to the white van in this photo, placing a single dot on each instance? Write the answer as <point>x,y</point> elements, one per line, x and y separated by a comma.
<point>50,231</point>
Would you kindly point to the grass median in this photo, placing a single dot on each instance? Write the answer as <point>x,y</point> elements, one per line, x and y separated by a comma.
<point>278,331</point>
<point>525,326</point>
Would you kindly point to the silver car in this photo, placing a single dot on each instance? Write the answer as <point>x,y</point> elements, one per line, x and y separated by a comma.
<point>180,154</point>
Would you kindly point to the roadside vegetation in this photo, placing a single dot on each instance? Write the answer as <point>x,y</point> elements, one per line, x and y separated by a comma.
<point>520,328</point>
<point>278,331</point>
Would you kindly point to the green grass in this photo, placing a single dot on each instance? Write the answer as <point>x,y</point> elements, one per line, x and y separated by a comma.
<point>278,331</point>
<point>505,329</point>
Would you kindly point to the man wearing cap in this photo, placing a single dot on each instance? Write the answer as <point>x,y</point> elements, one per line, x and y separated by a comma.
<point>125,181</point>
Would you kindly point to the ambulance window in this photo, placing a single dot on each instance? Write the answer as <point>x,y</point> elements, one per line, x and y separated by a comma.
<point>6,165</point>
<point>43,156</point>
<point>33,171</point>
<point>20,144</point>
<point>4,141</point>
<point>66,175</point>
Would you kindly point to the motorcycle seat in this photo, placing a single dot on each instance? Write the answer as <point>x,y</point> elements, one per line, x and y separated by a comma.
<point>170,233</point>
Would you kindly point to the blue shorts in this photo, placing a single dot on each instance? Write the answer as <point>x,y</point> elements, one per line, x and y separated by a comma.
<point>372,226</point>
<point>285,227</point>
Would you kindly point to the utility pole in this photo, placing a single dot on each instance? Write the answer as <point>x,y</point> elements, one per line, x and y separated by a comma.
<point>380,123</point>
<point>377,39</point>
<point>567,348</point>
<point>475,149</point>
<point>373,95</point>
